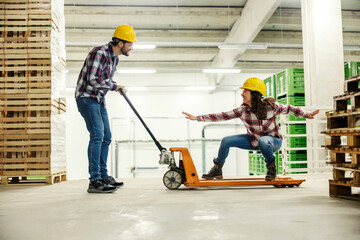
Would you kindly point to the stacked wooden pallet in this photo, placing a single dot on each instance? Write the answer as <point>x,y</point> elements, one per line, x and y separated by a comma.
<point>32,89</point>
<point>343,129</point>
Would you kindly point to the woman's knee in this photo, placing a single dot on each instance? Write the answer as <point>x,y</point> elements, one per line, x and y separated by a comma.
<point>263,142</point>
<point>225,141</point>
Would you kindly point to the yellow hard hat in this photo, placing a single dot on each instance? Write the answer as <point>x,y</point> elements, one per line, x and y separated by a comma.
<point>255,84</point>
<point>125,32</point>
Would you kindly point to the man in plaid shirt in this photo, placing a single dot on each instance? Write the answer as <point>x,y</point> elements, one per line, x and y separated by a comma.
<point>95,80</point>
<point>259,117</point>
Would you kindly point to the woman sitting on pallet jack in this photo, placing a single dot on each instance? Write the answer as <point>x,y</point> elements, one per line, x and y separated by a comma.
<point>259,117</point>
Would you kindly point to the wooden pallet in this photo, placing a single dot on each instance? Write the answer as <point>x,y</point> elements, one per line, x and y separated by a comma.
<point>341,102</point>
<point>343,189</point>
<point>26,7</point>
<point>34,125</point>
<point>55,177</point>
<point>14,103</point>
<point>352,84</point>
<point>342,132</point>
<point>338,157</point>
<point>30,81</point>
<point>343,120</point>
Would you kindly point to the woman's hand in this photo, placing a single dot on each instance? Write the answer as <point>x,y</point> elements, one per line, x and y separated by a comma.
<point>122,87</point>
<point>312,114</point>
<point>190,116</point>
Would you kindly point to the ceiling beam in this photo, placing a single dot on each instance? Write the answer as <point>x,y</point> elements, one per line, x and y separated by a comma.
<point>254,15</point>
<point>151,17</point>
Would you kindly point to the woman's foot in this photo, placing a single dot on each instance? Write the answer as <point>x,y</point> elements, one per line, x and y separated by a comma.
<point>215,171</point>
<point>271,171</point>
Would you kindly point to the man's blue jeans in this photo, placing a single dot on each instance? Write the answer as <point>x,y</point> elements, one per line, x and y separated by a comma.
<point>97,123</point>
<point>267,145</point>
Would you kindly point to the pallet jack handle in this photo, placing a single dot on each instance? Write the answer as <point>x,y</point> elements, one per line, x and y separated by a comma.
<point>142,121</point>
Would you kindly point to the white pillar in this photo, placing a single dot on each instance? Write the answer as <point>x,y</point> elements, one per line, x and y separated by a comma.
<point>323,51</point>
<point>323,67</point>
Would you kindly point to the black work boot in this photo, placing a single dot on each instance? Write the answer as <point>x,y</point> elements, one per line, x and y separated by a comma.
<point>271,171</point>
<point>111,181</point>
<point>215,171</point>
<point>100,187</point>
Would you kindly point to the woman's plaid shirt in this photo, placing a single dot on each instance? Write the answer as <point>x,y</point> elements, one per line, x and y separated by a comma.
<point>95,78</point>
<point>256,128</point>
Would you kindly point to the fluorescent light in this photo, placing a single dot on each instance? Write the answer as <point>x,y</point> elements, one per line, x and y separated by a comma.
<point>136,88</point>
<point>144,46</point>
<point>221,70</point>
<point>241,46</point>
<point>136,71</point>
<point>200,88</point>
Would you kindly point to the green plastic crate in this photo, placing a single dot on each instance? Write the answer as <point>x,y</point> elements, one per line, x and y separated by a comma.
<point>296,129</point>
<point>296,142</point>
<point>297,157</point>
<point>297,101</point>
<point>260,164</point>
<point>290,82</point>
<point>351,69</point>
<point>298,165</point>
<point>252,162</point>
<point>270,86</point>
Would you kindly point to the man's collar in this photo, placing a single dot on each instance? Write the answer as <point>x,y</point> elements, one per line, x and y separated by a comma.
<point>246,107</point>
<point>111,50</point>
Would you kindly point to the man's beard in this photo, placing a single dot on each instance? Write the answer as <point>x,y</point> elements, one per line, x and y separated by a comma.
<point>123,52</point>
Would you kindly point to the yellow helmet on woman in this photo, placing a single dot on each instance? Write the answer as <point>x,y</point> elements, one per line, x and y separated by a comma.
<point>125,32</point>
<point>255,84</point>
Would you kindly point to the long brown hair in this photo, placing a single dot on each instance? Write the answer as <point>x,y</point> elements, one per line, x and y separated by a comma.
<point>259,104</point>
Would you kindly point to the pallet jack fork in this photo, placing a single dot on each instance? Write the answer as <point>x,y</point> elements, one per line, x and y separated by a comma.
<point>186,173</point>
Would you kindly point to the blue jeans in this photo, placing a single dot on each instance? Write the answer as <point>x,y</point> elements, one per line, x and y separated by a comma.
<point>267,145</point>
<point>97,123</point>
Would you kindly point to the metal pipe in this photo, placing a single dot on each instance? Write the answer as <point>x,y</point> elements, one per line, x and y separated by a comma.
<point>203,140</point>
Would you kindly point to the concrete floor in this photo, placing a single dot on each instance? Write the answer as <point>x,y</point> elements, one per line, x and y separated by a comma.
<point>145,209</point>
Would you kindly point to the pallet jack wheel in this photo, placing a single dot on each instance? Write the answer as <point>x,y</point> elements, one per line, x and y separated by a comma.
<point>172,179</point>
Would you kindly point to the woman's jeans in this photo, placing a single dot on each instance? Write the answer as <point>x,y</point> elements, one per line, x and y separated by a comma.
<point>97,123</point>
<point>267,145</point>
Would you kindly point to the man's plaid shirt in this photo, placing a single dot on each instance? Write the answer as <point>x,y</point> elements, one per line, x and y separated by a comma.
<point>95,78</point>
<point>256,128</point>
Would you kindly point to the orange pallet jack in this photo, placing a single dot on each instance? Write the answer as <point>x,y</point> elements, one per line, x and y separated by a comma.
<point>186,173</point>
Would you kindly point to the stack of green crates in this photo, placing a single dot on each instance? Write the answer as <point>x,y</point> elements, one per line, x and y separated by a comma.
<point>351,69</point>
<point>287,87</point>
<point>290,89</point>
